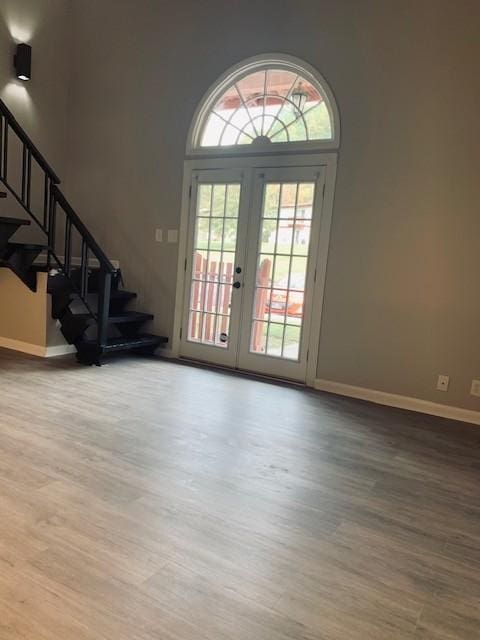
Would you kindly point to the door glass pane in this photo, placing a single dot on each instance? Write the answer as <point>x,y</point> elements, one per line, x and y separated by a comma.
<point>301,237</point>
<point>282,263</point>
<point>268,235</point>
<point>291,342</point>
<point>212,276</point>
<point>204,204</point>
<point>281,271</point>
<point>233,200</point>
<point>288,200</point>
<point>218,200</point>
<point>202,233</point>
<point>271,201</point>
<point>275,339</point>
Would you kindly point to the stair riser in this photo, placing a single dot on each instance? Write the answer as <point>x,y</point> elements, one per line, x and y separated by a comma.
<point>61,285</point>
<point>29,278</point>
<point>72,328</point>
<point>60,304</point>
<point>129,330</point>
<point>20,260</point>
<point>94,280</point>
<point>89,354</point>
<point>6,232</point>
<point>118,305</point>
<point>61,300</point>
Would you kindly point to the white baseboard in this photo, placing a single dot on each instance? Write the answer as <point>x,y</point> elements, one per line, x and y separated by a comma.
<point>400,402</point>
<point>36,349</point>
<point>60,350</point>
<point>165,353</point>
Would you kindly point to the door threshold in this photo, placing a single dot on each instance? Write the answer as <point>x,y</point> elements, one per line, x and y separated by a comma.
<point>252,375</point>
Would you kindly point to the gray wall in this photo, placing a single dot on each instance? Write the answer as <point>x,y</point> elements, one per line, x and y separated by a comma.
<point>41,107</point>
<point>41,104</point>
<point>402,303</point>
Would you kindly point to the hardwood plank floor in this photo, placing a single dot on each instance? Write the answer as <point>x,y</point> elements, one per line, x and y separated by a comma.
<point>148,500</point>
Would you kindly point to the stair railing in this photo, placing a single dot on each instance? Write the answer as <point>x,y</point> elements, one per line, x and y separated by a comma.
<point>34,185</point>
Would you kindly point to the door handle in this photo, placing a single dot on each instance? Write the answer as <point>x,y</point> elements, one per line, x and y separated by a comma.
<point>237,285</point>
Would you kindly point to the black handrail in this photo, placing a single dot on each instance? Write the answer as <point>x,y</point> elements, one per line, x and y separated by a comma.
<point>82,229</point>
<point>53,201</point>
<point>12,121</point>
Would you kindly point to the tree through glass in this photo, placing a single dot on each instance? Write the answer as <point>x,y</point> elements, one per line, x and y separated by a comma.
<point>271,105</point>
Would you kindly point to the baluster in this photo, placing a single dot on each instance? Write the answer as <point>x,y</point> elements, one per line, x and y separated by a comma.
<point>29,177</point>
<point>68,246</point>
<point>24,174</point>
<point>52,218</point>
<point>46,194</point>
<point>2,120</point>
<point>84,269</point>
<point>104,289</point>
<point>5,149</point>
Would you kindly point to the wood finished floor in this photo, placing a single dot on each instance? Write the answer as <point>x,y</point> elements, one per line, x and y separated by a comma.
<point>152,501</point>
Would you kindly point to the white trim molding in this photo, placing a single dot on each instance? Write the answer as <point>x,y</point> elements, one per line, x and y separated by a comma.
<point>398,401</point>
<point>318,153</point>
<point>239,71</point>
<point>166,353</point>
<point>250,163</point>
<point>60,350</point>
<point>36,349</point>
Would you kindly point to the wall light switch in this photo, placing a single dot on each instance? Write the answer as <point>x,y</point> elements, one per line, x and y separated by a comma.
<point>172,235</point>
<point>475,389</point>
<point>158,235</point>
<point>442,383</point>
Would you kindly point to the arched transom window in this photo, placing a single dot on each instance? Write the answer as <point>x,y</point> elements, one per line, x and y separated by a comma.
<point>263,102</point>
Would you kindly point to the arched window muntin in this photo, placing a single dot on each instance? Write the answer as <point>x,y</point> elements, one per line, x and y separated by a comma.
<point>267,62</point>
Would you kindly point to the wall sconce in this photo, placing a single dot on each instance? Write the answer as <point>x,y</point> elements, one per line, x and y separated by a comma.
<point>22,62</point>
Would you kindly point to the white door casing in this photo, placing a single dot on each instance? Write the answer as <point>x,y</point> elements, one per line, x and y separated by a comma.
<point>323,168</point>
<point>275,341</point>
<point>215,247</point>
<point>272,116</point>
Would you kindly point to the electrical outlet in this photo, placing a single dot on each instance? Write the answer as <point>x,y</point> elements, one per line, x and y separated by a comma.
<point>158,235</point>
<point>475,389</point>
<point>442,383</point>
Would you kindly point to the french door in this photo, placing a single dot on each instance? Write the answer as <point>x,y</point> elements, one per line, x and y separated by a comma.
<point>252,249</point>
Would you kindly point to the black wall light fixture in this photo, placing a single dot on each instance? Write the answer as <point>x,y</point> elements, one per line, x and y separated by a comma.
<point>23,62</point>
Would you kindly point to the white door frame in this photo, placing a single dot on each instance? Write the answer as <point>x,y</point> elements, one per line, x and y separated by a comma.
<point>227,355</point>
<point>263,363</point>
<point>327,160</point>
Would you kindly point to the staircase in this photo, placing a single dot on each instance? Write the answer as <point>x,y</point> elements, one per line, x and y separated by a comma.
<point>86,289</point>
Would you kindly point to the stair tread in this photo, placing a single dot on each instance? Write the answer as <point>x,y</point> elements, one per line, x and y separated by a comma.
<point>130,316</point>
<point>92,268</point>
<point>28,245</point>
<point>121,293</point>
<point>123,343</point>
<point>121,317</point>
<point>18,221</point>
